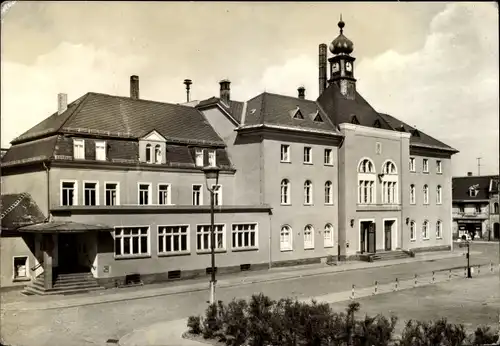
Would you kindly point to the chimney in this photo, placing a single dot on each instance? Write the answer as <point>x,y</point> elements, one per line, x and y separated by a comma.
<point>187,83</point>
<point>62,103</point>
<point>469,174</point>
<point>134,87</point>
<point>302,92</point>
<point>322,68</point>
<point>225,90</point>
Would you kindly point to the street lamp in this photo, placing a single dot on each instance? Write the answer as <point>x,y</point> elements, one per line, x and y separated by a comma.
<point>212,181</point>
<point>467,244</point>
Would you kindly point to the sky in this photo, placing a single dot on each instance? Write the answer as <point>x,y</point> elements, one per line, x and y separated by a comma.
<point>433,65</point>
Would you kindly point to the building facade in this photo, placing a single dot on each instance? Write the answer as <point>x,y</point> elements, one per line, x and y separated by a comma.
<point>121,186</point>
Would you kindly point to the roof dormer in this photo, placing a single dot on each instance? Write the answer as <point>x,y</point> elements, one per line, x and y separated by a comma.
<point>152,148</point>
<point>317,117</point>
<point>296,114</point>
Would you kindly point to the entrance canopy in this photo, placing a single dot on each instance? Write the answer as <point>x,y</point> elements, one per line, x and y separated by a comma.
<point>63,227</point>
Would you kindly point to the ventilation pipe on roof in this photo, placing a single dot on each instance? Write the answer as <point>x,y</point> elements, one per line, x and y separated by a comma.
<point>187,83</point>
<point>62,103</point>
<point>225,90</point>
<point>302,92</point>
<point>469,174</point>
<point>134,87</point>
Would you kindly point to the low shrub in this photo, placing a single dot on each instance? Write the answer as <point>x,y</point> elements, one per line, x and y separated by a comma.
<point>440,332</point>
<point>484,335</point>
<point>194,325</point>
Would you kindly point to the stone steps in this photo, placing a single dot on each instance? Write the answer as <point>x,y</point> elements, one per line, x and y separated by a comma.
<point>64,284</point>
<point>385,256</point>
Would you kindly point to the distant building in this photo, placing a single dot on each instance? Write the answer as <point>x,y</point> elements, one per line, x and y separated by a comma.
<point>475,207</point>
<point>2,152</point>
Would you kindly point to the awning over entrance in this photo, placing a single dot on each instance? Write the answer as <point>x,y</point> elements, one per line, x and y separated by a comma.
<point>63,227</point>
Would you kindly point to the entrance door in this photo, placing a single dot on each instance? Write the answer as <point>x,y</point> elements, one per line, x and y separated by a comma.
<point>388,235</point>
<point>496,230</point>
<point>371,238</point>
<point>363,234</point>
<point>68,253</point>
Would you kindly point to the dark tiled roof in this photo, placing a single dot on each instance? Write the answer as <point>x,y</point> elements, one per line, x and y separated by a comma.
<point>494,185</point>
<point>234,108</point>
<point>273,109</point>
<point>32,151</point>
<point>26,212</point>
<point>461,187</point>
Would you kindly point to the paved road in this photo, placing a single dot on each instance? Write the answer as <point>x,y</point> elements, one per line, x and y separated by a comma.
<point>94,324</point>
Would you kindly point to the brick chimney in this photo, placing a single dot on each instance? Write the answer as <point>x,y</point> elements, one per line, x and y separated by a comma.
<point>62,103</point>
<point>322,68</point>
<point>225,90</point>
<point>134,87</point>
<point>302,92</point>
<point>469,174</point>
<point>187,83</point>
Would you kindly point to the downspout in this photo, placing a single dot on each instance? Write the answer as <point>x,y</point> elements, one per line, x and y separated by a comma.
<point>270,241</point>
<point>47,169</point>
<point>402,222</point>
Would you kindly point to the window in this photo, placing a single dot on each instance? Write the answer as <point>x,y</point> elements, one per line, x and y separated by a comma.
<point>426,194</point>
<point>389,183</point>
<point>425,165</point>
<point>328,157</point>
<point>111,191</point>
<point>309,237</point>
<point>100,150</point>
<point>217,194</point>
<point>328,235</point>
<point>164,194</point>
<point>478,209</point>
<point>21,270</point>
<point>439,230</point>
<point>197,195</point>
<point>68,193</point>
<point>285,192</point>
<point>172,239</point>
<point>286,238</point>
<point>199,157</point>
<point>203,237</point>
<point>472,191</point>
<point>439,167</point>
<point>79,149</point>
<point>412,164</point>
<point>307,155</point>
<point>158,157</point>
<point>90,193</point>
<point>244,236</point>
<point>148,153</point>
<point>285,153</point>
<point>412,194</point>
<point>328,192</point>
<point>130,241</point>
<point>495,208</point>
<point>212,158</point>
<point>308,197</point>
<point>425,230</point>
<point>439,195</point>
<point>461,208</point>
<point>366,182</point>
<point>413,230</point>
<point>144,194</point>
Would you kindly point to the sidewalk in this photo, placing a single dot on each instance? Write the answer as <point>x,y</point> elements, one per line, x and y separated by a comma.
<point>275,274</point>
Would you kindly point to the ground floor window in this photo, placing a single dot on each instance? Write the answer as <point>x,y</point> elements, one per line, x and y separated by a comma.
<point>413,230</point>
<point>20,267</point>
<point>203,237</point>
<point>130,241</point>
<point>309,237</point>
<point>244,236</point>
<point>172,239</point>
<point>328,236</point>
<point>286,238</point>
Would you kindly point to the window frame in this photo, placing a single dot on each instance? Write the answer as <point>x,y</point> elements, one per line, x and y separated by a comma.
<point>328,162</point>
<point>425,165</point>
<point>217,195</point>
<point>117,192</point>
<point>75,192</point>
<point>96,192</point>
<point>27,269</point>
<point>132,256</point>
<point>158,159</point>
<point>366,182</point>
<point>308,156</point>
<point>148,150</point>
<point>412,164</point>
<point>332,242</point>
<point>163,235</point>
<point>426,226</point>
<point>309,245</point>
<point>100,145</point>
<point>289,245</point>
<point>289,192</point>
<point>216,249</point>
<point>439,167</point>
<point>75,144</point>
<point>426,194</point>
<point>328,201</point>
<point>150,193</point>
<point>439,195</point>
<point>212,155</point>
<point>288,152</point>
<point>256,236</point>
<point>200,197</point>
<point>197,154</point>
<point>413,190</point>
<point>310,188</point>
<point>439,229</point>
<point>169,194</point>
<point>413,230</point>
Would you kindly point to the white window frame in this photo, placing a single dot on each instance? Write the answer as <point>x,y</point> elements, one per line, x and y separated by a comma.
<point>212,158</point>
<point>425,165</point>
<point>328,241</point>
<point>169,193</point>
<point>285,153</point>
<point>96,191</point>
<point>425,234</point>
<point>390,184</point>
<point>367,186</point>
<point>329,195</point>
<point>162,237</point>
<point>75,191</point>
<point>255,231</point>
<point>201,194</point>
<point>288,246</point>
<point>439,167</point>
<point>27,269</point>
<point>413,230</point>
<point>78,143</point>
<point>149,148</point>
<point>147,254</point>
<point>439,229</point>
<point>158,155</point>
<point>412,164</point>
<point>199,154</point>
<point>308,193</point>
<point>413,194</point>
<point>217,195</point>
<point>150,193</point>
<point>308,156</point>
<point>288,194</point>
<point>117,192</point>
<point>309,243</point>
<point>328,157</point>
<point>206,230</point>
<point>100,147</point>
<point>426,194</point>
<point>439,194</point>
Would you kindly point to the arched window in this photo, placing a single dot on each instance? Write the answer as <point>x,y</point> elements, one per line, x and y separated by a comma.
<point>286,238</point>
<point>308,192</point>
<point>439,195</point>
<point>412,194</point>
<point>328,235</point>
<point>439,229</point>
<point>285,191</point>
<point>309,237</point>
<point>366,182</point>
<point>148,153</point>
<point>389,183</point>
<point>495,208</point>
<point>425,230</point>
<point>426,194</point>
<point>328,192</point>
<point>413,230</point>
<point>157,154</point>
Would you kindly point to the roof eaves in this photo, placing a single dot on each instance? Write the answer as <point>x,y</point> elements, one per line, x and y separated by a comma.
<point>289,128</point>
<point>429,146</point>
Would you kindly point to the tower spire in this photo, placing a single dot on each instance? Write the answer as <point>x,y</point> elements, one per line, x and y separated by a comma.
<point>341,25</point>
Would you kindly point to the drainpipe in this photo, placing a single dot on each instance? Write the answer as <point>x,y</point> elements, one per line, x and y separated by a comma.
<point>47,169</point>
<point>270,242</point>
<point>402,222</point>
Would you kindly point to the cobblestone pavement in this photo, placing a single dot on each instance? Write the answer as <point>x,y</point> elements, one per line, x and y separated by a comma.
<point>95,324</point>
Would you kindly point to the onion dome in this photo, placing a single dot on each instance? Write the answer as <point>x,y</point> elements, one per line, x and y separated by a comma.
<point>341,45</point>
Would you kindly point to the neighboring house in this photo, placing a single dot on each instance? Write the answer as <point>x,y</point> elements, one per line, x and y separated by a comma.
<point>2,152</point>
<point>475,207</point>
<point>120,180</point>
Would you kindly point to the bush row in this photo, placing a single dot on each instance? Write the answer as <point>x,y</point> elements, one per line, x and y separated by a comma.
<point>264,322</point>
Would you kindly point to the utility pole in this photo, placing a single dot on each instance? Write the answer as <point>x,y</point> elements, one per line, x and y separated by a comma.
<point>479,165</point>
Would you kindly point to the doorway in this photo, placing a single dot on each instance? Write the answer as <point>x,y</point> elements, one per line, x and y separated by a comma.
<point>68,253</point>
<point>388,224</point>
<point>496,230</point>
<point>367,237</point>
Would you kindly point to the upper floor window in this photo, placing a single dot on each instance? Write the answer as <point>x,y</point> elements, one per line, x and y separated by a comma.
<point>478,209</point>
<point>439,195</point>
<point>412,194</point>
<point>307,155</point>
<point>439,230</point>
<point>199,157</point>
<point>286,238</point>
<point>473,191</point>
<point>308,237</point>
<point>366,166</point>
<point>285,153</point>
<point>144,194</point>
<point>158,157</point>
<point>366,182</point>
<point>328,192</point>
<point>439,167</point>
<point>217,194</point>
<point>425,230</point>
<point>425,165</point>
<point>495,208</point>
<point>164,195</point>
<point>389,168</point>
<point>426,194</point>
<point>100,150</point>
<point>79,149</point>
<point>111,194</point>
<point>197,195</point>
<point>461,208</point>
<point>149,158</point>
<point>413,230</point>
<point>412,164</point>
<point>328,157</point>
<point>211,158</point>
<point>90,193</point>
<point>308,197</point>
<point>68,193</point>
<point>328,235</point>
<point>389,183</point>
<point>285,191</point>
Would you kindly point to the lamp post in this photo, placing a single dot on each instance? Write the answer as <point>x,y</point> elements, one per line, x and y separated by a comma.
<point>212,181</point>
<point>467,244</point>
